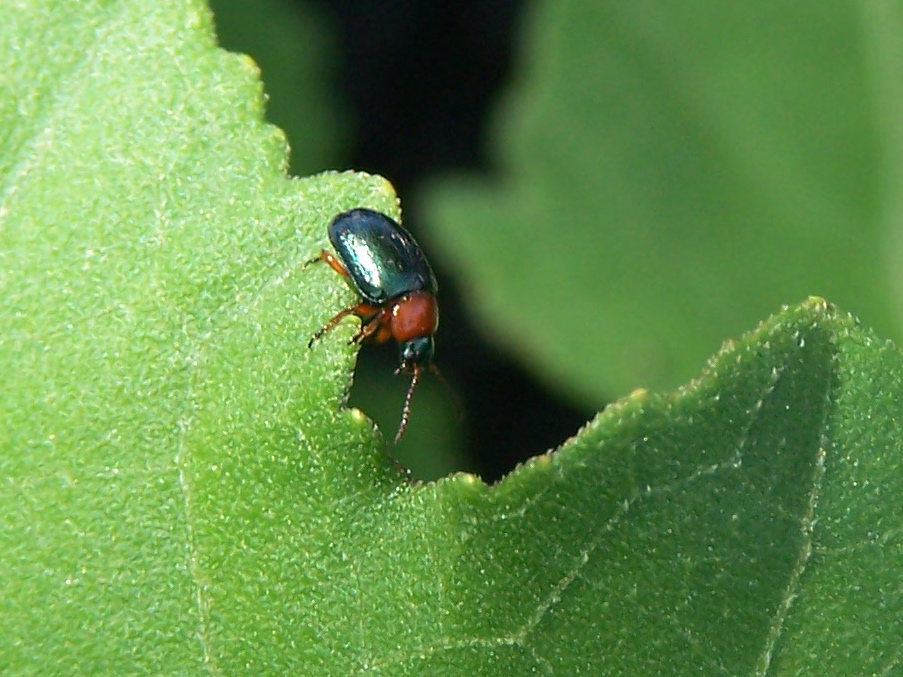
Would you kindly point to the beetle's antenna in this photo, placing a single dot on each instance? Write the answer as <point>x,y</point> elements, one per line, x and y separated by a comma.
<point>406,410</point>
<point>459,408</point>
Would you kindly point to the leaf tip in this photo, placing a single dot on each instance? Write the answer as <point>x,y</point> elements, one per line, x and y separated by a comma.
<point>250,66</point>
<point>359,417</point>
<point>638,394</point>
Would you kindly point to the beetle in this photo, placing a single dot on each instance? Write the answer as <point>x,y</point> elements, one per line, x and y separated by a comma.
<point>385,266</point>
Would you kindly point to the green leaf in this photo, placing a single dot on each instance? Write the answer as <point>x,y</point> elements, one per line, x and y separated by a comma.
<point>669,174</point>
<point>154,332</point>
<point>184,492</point>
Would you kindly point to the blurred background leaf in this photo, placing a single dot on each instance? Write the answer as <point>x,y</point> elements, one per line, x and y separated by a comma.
<point>668,174</point>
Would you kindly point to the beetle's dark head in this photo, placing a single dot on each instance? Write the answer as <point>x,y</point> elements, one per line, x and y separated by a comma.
<point>416,352</point>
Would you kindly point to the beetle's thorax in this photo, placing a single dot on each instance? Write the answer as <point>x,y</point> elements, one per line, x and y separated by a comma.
<point>413,315</point>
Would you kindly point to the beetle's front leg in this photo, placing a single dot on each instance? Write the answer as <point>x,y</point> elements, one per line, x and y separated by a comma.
<point>373,323</point>
<point>329,325</point>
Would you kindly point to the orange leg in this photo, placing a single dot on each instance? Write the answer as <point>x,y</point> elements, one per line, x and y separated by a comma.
<point>329,325</point>
<point>370,322</point>
<point>331,260</point>
<point>374,319</point>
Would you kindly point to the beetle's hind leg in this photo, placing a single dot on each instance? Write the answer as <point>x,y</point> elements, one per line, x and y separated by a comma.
<point>329,258</point>
<point>362,310</point>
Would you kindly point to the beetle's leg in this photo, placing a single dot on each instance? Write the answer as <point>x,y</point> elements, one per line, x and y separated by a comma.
<point>370,322</point>
<point>331,260</point>
<point>384,333</point>
<point>451,391</point>
<point>373,324</point>
<point>329,325</point>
